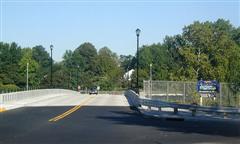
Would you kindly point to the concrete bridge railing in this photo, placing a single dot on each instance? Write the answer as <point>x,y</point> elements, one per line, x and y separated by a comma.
<point>18,99</point>
<point>32,94</point>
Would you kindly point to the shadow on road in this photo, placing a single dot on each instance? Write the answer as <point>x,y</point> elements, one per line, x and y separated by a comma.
<point>107,124</point>
<point>222,128</point>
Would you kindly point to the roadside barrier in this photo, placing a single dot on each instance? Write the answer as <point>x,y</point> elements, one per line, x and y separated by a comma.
<point>32,94</point>
<point>138,102</point>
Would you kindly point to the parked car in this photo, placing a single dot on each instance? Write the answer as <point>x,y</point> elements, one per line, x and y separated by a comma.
<point>93,91</point>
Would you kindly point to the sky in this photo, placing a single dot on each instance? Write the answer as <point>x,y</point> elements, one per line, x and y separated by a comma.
<point>66,24</point>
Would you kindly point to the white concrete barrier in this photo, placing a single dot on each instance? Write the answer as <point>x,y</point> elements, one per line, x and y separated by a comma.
<point>19,99</point>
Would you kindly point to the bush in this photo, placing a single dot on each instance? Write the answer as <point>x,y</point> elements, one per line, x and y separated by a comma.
<point>8,87</point>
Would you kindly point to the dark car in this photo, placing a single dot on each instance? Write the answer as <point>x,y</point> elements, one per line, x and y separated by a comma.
<point>93,91</point>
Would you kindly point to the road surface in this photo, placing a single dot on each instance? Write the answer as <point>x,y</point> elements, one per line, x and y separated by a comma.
<point>94,119</point>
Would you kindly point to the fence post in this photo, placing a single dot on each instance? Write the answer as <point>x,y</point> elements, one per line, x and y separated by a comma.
<point>150,89</point>
<point>149,85</point>
<point>238,100</point>
<point>220,91</point>
<point>201,100</point>
<point>167,91</point>
<point>144,88</point>
<point>184,92</point>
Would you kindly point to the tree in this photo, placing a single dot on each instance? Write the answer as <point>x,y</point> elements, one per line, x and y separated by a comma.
<point>236,35</point>
<point>126,62</point>
<point>108,69</point>
<point>10,54</point>
<point>61,76</point>
<point>85,55</point>
<point>158,56</point>
<point>205,51</point>
<point>42,57</point>
<point>32,68</point>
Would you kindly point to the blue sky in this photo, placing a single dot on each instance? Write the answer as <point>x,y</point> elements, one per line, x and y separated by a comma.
<point>67,24</point>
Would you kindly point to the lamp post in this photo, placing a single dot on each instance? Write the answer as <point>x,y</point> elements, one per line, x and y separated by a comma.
<point>77,76</point>
<point>69,80</point>
<point>51,48</point>
<point>128,77</point>
<point>27,75</point>
<point>137,33</point>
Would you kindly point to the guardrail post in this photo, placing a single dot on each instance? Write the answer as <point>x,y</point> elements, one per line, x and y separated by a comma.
<point>194,112</point>
<point>175,110</point>
<point>159,109</point>
<point>149,107</point>
<point>220,94</point>
<point>224,115</point>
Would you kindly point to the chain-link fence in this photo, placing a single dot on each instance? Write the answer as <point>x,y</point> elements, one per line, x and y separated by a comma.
<point>186,93</point>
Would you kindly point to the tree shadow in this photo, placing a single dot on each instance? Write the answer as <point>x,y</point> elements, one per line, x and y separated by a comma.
<point>218,128</point>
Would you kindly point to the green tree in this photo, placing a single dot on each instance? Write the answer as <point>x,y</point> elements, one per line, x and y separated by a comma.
<point>126,62</point>
<point>206,51</point>
<point>10,54</point>
<point>85,55</point>
<point>158,56</point>
<point>108,69</point>
<point>42,57</point>
<point>32,68</point>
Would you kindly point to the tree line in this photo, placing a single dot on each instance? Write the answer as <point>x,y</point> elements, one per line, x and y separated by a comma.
<point>204,50</point>
<point>85,66</point>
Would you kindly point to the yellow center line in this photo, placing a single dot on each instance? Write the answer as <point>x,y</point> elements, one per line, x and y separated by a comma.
<point>63,115</point>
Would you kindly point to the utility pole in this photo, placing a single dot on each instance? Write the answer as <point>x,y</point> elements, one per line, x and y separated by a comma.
<point>77,76</point>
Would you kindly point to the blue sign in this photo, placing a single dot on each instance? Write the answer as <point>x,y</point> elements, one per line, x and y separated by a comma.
<point>207,86</point>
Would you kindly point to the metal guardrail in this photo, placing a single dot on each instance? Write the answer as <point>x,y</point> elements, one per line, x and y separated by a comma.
<point>31,94</point>
<point>133,98</point>
<point>137,101</point>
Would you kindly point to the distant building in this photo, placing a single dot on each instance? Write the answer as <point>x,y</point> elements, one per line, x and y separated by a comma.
<point>128,75</point>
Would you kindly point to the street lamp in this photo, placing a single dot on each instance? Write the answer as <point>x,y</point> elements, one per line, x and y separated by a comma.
<point>137,33</point>
<point>77,76</point>
<point>51,48</point>
<point>27,75</point>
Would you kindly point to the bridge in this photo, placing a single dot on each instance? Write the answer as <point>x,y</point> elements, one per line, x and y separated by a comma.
<point>65,116</point>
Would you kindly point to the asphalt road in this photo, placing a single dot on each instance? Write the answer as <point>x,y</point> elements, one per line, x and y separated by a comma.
<point>96,122</point>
